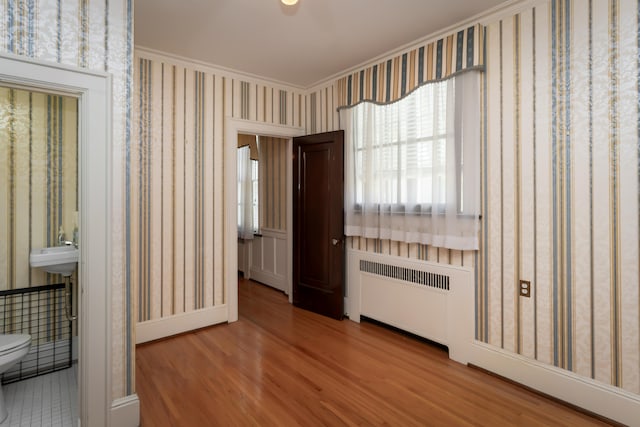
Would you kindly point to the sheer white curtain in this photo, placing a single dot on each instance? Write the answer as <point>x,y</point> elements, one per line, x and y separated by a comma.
<point>245,194</point>
<point>412,168</point>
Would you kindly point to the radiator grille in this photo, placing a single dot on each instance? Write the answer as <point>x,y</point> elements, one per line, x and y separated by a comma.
<point>424,278</point>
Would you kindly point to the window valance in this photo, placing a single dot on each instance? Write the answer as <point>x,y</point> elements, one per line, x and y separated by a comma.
<point>391,80</point>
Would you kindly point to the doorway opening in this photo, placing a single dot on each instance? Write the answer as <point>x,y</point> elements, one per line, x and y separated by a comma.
<point>262,209</point>
<point>235,127</point>
<point>92,90</point>
<point>39,182</point>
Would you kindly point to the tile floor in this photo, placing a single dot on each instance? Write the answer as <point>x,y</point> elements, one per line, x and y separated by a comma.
<point>49,400</point>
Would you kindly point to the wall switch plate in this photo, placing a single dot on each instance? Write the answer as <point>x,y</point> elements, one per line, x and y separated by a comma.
<point>525,288</point>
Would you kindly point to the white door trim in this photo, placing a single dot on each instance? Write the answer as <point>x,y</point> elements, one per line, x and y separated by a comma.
<point>93,91</point>
<point>233,127</point>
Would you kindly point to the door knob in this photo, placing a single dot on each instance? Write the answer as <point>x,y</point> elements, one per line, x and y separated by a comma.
<point>335,242</point>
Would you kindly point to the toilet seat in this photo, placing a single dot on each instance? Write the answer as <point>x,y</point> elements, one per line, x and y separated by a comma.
<point>12,342</point>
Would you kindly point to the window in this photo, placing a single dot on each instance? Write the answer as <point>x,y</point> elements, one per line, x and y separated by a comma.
<point>409,149</point>
<point>255,182</point>
<point>248,194</point>
<point>412,167</point>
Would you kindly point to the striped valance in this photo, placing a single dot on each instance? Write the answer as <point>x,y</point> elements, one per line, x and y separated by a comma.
<point>390,80</point>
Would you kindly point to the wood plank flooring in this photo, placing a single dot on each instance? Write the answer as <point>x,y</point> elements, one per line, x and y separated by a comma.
<point>282,366</point>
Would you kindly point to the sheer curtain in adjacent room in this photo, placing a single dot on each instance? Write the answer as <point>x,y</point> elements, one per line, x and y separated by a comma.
<point>246,226</point>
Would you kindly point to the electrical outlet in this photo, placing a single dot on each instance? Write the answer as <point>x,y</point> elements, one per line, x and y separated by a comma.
<point>525,288</point>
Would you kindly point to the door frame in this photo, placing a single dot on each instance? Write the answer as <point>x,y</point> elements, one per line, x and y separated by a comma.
<point>233,127</point>
<point>97,187</point>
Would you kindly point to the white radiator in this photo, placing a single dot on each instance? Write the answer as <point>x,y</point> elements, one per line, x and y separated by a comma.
<point>434,301</point>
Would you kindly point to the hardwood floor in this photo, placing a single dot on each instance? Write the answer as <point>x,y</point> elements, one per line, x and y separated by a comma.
<point>282,366</point>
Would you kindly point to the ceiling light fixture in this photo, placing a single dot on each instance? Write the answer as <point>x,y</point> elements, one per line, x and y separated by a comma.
<point>289,2</point>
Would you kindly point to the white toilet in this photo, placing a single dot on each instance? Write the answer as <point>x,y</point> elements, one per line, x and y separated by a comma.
<point>13,347</point>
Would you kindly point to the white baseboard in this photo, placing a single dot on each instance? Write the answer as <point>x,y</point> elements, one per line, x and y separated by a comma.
<point>608,401</point>
<point>125,412</point>
<point>184,322</point>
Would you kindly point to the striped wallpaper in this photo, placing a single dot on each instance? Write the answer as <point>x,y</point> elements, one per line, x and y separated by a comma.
<point>260,102</point>
<point>395,78</point>
<point>322,113</point>
<point>177,172</point>
<point>98,35</point>
<point>560,188</point>
<point>38,180</point>
<point>176,186</point>
<point>273,183</point>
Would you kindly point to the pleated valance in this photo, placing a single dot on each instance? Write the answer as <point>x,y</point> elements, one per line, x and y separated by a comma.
<point>392,79</point>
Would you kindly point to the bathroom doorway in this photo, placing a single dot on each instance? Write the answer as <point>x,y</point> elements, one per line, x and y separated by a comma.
<point>39,182</point>
<point>90,196</point>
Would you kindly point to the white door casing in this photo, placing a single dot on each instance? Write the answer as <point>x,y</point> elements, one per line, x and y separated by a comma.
<point>96,190</point>
<point>234,126</point>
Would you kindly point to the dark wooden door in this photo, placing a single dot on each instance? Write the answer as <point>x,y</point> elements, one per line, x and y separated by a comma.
<point>318,223</point>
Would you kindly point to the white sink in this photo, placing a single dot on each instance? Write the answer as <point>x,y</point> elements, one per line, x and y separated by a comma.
<point>56,259</point>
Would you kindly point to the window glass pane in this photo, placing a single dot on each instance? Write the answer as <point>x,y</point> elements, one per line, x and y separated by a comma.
<point>256,190</point>
<point>242,153</point>
<point>404,143</point>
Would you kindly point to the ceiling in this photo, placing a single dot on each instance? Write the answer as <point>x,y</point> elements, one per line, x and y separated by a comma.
<point>299,45</point>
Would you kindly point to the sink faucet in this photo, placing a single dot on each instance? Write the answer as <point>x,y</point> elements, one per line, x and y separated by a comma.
<point>61,238</point>
<point>62,241</point>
